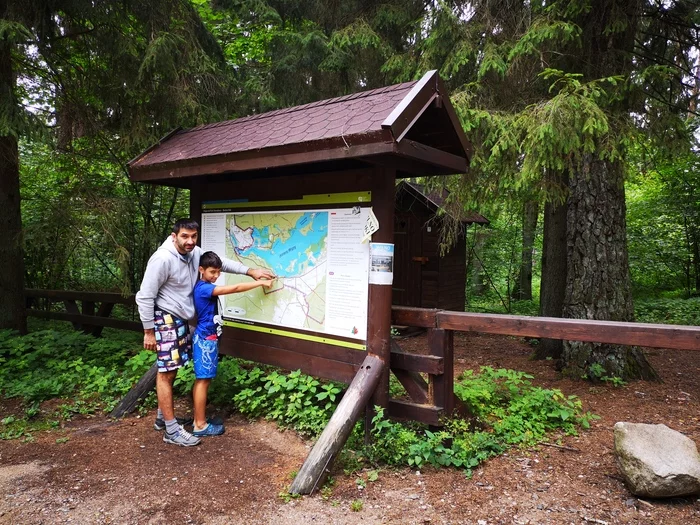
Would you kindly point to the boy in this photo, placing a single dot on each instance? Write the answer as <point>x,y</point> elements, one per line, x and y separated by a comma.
<point>205,343</point>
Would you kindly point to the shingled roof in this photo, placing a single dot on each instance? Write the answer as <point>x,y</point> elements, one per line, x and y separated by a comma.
<point>412,121</point>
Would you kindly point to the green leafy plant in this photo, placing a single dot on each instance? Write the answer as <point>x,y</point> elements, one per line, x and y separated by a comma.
<point>356,505</point>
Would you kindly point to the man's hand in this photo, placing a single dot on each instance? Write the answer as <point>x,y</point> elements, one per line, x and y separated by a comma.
<point>149,339</point>
<point>260,273</point>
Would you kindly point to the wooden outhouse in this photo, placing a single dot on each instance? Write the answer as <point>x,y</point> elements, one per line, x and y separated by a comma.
<point>422,277</point>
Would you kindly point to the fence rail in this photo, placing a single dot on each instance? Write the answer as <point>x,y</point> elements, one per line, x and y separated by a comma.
<point>427,378</point>
<point>91,316</point>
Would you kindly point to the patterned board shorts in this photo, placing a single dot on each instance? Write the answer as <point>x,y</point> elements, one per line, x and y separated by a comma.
<point>173,341</point>
<point>205,354</point>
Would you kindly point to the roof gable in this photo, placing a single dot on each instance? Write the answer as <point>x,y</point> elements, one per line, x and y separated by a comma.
<point>434,200</point>
<point>379,122</point>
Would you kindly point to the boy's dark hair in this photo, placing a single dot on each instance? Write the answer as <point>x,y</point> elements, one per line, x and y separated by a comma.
<point>210,260</point>
<point>185,224</point>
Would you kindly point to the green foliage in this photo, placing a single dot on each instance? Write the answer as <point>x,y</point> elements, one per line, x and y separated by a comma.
<point>668,311</point>
<point>92,374</point>
<point>509,411</point>
<point>356,505</point>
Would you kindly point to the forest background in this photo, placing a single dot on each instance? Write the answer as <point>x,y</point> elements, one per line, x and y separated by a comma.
<point>582,113</point>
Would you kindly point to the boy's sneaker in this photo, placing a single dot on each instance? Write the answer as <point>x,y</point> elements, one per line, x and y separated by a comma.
<point>182,438</point>
<point>159,424</point>
<point>211,429</point>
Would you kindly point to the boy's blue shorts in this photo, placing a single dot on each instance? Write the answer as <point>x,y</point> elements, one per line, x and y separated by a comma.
<point>205,354</point>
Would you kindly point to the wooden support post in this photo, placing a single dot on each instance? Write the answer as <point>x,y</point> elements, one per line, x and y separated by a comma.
<point>104,310</point>
<point>88,309</point>
<point>140,390</point>
<point>379,312</point>
<point>336,433</point>
<point>440,344</point>
<point>71,307</point>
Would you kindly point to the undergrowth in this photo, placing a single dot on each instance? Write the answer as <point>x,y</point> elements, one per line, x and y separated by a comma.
<point>94,373</point>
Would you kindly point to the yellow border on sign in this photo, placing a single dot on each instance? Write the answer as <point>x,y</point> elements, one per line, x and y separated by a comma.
<point>295,335</point>
<point>306,200</point>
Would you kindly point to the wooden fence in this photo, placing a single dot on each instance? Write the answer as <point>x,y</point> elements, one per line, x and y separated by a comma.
<point>427,378</point>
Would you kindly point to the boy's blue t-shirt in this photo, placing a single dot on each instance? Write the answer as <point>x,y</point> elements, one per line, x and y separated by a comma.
<point>205,306</point>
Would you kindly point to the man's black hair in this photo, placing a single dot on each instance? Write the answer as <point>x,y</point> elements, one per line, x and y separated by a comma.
<point>210,260</point>
<point>185,224</point>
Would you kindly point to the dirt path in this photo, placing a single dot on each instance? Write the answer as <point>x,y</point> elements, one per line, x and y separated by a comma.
<point>121,472</point>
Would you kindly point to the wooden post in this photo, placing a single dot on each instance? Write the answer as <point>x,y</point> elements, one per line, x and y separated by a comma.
<point>331,441</point>
<point>140,390</point>
<point>379,311</point>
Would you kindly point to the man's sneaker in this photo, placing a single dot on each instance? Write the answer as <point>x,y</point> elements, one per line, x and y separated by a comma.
<point>159,424</point>
<point>210,430</point>
<point>182,438</point>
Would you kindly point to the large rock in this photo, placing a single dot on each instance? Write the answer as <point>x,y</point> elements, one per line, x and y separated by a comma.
<point>656,461</point>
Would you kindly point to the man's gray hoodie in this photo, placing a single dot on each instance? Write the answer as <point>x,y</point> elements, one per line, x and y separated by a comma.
<point>169,282</point>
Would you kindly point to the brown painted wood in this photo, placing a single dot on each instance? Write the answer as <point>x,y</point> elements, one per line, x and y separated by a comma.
<point>440,344</point>
<point>82,296</point>
<point>283,188</point>
<point>371,144</point>
<point>379,311</point>
<point>408,316</point>
<point>427,414</point>
<point>427,364</point>
<point>433,156</point>
<point>302,347</point>
<point>331,441</point>
<point>289,360</point>
<point>642,334</point>
<point>107,322</point>
<point>416,387</point>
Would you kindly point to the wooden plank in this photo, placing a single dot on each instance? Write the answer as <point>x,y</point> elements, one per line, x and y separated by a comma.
<point>427,414</point>
<point>409,316</point>
<point>317,366</point>
<point>301,347</point>
<point>331,441</point>
<point>107,322</point>
<point>641,334</point>
<point>104,310</point>
<point>417,151</point>
<point>440,343</point>
<point>82,296</point>
<point>427,364</point>
<point>414,384</point>
<point>335,148</point>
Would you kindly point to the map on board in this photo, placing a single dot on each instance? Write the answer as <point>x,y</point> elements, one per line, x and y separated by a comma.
<point>294,246</point>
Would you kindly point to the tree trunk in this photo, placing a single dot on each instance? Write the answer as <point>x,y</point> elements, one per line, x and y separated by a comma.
<point>522,291</point>
<point>553,284</point>
<point>598,282</point>
<point>12,307</point>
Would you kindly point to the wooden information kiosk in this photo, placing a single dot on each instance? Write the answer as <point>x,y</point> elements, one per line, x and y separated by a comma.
<point>296,190</point>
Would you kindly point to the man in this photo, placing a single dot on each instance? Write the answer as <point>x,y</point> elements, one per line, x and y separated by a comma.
<point>166,307</point>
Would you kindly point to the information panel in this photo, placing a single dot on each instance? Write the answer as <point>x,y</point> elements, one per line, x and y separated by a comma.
<point>322,268</point>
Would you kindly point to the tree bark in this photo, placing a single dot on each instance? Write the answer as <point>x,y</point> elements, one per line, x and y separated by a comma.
<point>598,283</point>
<point>522,291</point>
<point>553,283</point>
<point>12,306</point>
